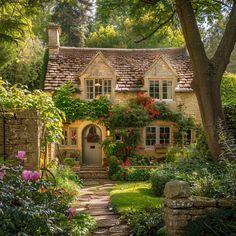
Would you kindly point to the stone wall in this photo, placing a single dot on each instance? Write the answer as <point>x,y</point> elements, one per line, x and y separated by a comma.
<point>22,132</point>
<point>181,208</point>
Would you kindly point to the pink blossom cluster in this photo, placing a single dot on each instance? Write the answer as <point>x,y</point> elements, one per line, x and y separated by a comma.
<point>30,175</point>
<point>21,155</point>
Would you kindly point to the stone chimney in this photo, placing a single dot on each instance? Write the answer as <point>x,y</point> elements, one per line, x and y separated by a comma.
<point>54,31</point>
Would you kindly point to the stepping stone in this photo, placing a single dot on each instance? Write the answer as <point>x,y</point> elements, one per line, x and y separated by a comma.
<point>119,229</point>
<point>106,217</point>
<point>107,223</point>
<point>101,232</point>
<point>100,212</point>
<point>98,205</point>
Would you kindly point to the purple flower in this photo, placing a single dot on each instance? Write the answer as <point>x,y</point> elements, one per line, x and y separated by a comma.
<point>35,175</point>
<point>72,212</point>
<point>2,171</point>
<point>21,155</point>
<point>30,175</point>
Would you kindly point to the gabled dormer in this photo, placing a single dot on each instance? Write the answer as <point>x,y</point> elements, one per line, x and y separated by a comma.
<point>98,78</point>
<point>160,80</point>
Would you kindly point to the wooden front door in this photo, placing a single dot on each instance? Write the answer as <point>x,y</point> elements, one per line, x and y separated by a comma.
<point>92,151</point>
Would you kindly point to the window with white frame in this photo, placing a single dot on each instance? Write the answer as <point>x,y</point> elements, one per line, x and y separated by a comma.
<point>70,136</point>
<point>161,89</point>
<point>98,87</point>
<point>157,135</point>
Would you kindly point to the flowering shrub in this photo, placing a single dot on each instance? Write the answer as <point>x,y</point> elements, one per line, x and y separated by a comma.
<point>31,206</point>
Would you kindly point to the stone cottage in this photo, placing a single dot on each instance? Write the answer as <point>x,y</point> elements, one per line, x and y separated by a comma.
<point>164,74</point>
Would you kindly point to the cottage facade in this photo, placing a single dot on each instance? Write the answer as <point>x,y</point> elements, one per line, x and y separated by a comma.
<point>164,74</point>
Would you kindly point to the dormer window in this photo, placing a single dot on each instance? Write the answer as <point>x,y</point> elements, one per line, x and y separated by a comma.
<point>161,89</point>
<point>98,87</point>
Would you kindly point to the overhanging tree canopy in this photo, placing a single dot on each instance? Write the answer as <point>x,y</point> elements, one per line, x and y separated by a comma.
<point>208,72</point>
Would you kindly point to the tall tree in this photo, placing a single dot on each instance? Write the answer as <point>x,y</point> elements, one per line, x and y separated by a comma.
<point>208,72</point>
<point>74,19</point>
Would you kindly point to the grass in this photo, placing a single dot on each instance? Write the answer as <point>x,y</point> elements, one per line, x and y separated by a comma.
<point>135,195</point>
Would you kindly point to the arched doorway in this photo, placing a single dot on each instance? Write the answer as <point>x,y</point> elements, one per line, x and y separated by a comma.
<point>92,150</point>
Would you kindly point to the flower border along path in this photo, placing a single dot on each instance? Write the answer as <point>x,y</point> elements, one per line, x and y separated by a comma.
<point>95,200</point>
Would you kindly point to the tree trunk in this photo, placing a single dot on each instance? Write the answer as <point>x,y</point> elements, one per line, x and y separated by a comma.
<point>207,91</point>
<point>207,72</point>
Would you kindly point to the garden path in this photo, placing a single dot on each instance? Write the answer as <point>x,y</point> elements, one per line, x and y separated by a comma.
<point>95,200</point>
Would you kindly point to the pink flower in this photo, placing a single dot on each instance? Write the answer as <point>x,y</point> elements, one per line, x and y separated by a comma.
<point>26,175</point>
<point>30,175</point>
<point>21,155</point>
<point>71,212</point>
<point>2,172</point>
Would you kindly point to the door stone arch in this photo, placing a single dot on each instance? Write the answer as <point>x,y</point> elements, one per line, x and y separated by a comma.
<point>92,150</point>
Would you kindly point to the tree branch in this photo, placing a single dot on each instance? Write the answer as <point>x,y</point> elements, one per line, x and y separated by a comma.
<point>222,55</point>
<point>191,34</point>
<point>157,28</point>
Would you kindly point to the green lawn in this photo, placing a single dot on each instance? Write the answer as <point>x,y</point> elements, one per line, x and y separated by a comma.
<point>136,195</point>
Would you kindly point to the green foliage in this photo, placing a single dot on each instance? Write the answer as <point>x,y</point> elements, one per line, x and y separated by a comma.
<point>74,108</point>
<point>81,224</point>
<point>34,208</point>
<point>18,97</point>
<point>145,222</point>
<point>128,116</point>
<point>138,160</point>
<point>138,174</point>
<point>159,179</point>
<point>69,161</point>
<point>228,89</point>
<point>66,179</point>
<point>227,141</point>
<point>205,178</point>
<point>221,222</point>
<point>113,148</point>
<point>113,166</point>
<point>73,19</point>
<point>230,117</point>
<point>26,68</point>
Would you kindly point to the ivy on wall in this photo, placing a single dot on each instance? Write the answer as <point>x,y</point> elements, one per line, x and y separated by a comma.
<point>76,109</point>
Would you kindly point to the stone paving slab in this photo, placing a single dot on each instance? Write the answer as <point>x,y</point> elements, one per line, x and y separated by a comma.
<point>95,200</point>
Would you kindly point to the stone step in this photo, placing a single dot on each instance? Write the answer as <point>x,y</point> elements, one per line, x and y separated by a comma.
<point>91,168</point>
<point>93,174</point>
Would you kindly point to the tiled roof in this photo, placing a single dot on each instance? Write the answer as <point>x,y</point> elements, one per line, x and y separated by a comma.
<point>130,65</point>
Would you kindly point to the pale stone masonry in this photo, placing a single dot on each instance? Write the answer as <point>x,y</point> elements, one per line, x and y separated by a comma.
<point>162,73</point>
<point>182,208</point>
<point>22,131</point>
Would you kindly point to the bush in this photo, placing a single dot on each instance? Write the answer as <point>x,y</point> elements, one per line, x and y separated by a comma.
<point>222,222</point>
<point>113,148</point>
<point>146,222</point>
<point>113,166</point>
<point>159,179</point>
<point>209,179</point>
<point>34,207</point>
<point>138,174</point>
